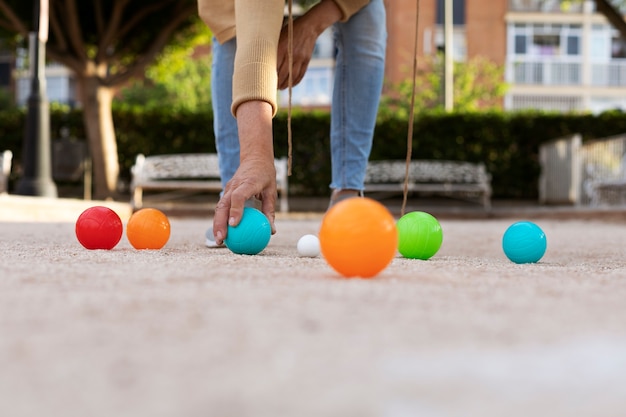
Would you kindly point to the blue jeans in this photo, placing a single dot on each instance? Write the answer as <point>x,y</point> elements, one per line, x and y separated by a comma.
<point>359,70</point>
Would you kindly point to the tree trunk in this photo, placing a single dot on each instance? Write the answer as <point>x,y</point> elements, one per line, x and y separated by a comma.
<point>98,119</point>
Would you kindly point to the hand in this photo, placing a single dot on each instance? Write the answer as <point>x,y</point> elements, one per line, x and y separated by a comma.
<point>256,175</point>
<point>304,38</point>
<point>306,30</point>
<point>254,178</point>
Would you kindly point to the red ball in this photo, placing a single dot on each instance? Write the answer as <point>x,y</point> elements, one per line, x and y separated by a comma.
<point>99,228</point>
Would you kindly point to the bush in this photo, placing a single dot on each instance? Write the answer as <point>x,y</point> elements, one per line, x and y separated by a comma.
<point>508,143</point>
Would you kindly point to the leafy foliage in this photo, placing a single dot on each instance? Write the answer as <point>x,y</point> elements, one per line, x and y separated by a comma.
<point>478,85</point>
<point>508,143</point>
<point>123,35</point>
<point>106,43</point>
<point>6,101</point>
<point>178,79</point>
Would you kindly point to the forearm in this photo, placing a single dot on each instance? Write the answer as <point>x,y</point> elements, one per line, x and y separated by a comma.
<point>254,121</point>
<point>256,175</point>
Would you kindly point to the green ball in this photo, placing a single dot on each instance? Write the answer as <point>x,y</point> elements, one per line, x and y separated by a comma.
<point>419,235</point>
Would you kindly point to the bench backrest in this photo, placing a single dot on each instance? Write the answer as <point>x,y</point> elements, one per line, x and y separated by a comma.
<point>162,167</point>
<point>191,166</point>
<point>427,171</point>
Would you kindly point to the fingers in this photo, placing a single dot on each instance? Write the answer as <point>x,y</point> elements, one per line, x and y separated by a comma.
<point>303,46</point>
<point>268,207</point>
<point>230,207</point>
<point>300,65</point>
<point>228,211</point>
<point>220,220</point>
<point>297,75</point>
<point>238,199</point>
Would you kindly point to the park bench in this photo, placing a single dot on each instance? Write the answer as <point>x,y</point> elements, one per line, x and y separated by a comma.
<point>460,179</point>
<point>5,170</point>
<point>189,172</point>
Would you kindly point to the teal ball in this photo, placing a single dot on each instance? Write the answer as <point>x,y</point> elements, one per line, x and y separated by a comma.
<point>251,235</point>
<point>524,242</point>
<point>419,235</point>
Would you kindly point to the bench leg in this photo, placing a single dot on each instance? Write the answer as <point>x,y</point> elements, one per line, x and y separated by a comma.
<point>137,198</point>
<point>284,204</point>
<point>487,202</point>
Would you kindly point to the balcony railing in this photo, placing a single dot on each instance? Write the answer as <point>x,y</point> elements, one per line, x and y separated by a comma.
<point>554,72</point>
<point>609,75</point>
<point>542,72</point>
<point>545,6</point>
<point>562,104</point>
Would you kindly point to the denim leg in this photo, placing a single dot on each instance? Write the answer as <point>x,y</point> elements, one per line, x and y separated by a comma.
<point>224,124</point>
<point>360,66</point>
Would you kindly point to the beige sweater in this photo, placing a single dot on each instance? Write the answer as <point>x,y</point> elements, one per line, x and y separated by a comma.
<point>257,24</point>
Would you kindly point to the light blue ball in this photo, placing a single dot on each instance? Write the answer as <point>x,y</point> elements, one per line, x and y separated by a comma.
<point>524,242</point>
<point>251,235</point>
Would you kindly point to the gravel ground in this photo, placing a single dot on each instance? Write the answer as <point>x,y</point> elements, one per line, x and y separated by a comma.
<point>189,331</point>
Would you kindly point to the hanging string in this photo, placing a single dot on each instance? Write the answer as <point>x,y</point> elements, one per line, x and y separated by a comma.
<point>409,140</point>
<point>290,84</point>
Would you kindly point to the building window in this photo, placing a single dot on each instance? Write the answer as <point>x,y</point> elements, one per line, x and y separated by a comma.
<point>546,39</point>
<point>520,44</point>
<point>459,43</point>
<point>573,45</point>
<point>618,47</point>
<point>546,44</point>
<point>458,12</point>
<point>545,54</point>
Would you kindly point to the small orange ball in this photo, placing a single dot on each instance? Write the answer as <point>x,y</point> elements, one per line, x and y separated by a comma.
<point>148,229</point>
<point>358,237</point>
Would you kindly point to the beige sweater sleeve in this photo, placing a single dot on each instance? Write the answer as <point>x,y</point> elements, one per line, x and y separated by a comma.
<point>258,24</point>
<point>258,29</point>
<point>350,7</point>
<point>219,16</point>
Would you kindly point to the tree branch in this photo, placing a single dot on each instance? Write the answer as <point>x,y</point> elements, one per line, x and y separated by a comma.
<point>13,22</point>
<point>73,30</point>
<point>64,58</point>
<point>138,17</point>
<point>99,18</point>
<point>612,15</point>
<point>57,29</point>
<point>112,29</point>
<point>152,50</point>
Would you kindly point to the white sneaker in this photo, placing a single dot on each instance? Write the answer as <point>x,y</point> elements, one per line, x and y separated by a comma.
<point>210,239</point>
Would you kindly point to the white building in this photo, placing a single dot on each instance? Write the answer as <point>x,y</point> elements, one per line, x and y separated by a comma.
<point>563,58</point>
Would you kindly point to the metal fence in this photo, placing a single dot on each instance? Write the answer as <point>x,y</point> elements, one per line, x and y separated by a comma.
<point>593,173</point>
<point>603,164</point>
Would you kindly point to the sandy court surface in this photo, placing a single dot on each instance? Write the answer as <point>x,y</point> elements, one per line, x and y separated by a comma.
<point>189,331</point>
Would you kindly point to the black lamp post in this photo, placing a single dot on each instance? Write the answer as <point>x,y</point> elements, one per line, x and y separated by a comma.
<point>36,179</point>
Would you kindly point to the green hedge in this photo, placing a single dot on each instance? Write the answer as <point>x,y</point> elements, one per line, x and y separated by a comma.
<point>508,143</point>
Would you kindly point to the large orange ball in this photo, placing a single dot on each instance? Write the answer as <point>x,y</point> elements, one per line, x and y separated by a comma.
<point>358,237</point>
<point>148,229</point>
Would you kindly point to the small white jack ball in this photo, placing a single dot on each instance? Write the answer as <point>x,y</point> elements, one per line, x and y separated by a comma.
<point>309,245</point>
